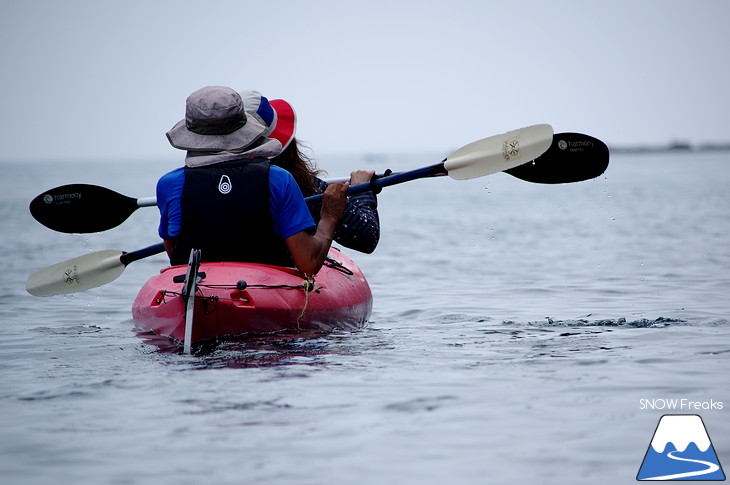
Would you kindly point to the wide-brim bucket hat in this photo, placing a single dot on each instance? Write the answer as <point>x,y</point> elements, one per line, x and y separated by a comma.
<point>215,120</point>
<point>277,114</point>
<point>285,126</point>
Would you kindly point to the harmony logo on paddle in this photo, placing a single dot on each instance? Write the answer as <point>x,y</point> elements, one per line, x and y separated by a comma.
<point>680,450</point>
<point>575,146</point>
<point>61,198</point>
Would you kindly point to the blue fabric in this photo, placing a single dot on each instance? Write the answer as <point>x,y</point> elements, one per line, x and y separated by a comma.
<point>169,190</point>
<point>288,209</point>
<point>265,111</point>
<point>290,212</point>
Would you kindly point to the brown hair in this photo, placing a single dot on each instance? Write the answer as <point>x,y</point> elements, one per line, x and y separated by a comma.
<point>302,168</point>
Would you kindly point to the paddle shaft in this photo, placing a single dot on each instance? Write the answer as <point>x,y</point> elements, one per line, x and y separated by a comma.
<point>130,257</point>
<point>147,202</point>
<point>380,181</point>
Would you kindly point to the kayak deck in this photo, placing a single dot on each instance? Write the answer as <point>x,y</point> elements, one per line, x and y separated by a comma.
<point>235,298</point>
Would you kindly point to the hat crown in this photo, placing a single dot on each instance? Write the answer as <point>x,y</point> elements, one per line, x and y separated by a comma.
<point>213,102</point>
<point>214,110</point>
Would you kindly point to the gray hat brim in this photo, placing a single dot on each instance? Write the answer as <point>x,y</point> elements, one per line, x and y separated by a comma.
<point>182,138</point>
<point>263,147</point>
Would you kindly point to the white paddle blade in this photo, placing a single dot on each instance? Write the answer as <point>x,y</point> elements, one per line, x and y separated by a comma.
<point>499,152</point>
<point>78,274</point>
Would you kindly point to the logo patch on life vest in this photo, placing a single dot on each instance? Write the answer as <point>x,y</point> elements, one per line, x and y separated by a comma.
<point>224,186</point>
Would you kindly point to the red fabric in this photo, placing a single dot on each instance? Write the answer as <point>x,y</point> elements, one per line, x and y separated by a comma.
<point>285,122</point>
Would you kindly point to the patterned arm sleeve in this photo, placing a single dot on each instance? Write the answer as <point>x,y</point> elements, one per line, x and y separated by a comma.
<point>359,228</point>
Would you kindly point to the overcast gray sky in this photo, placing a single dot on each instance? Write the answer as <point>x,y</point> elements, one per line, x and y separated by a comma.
<point>95,79</point>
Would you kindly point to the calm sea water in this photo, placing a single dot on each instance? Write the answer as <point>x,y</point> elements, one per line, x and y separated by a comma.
<point>519,333</point>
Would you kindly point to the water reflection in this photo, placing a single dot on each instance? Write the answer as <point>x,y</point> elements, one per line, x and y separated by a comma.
<point>270,350</point>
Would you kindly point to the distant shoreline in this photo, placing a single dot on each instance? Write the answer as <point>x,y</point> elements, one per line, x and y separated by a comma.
<point>672,147</point>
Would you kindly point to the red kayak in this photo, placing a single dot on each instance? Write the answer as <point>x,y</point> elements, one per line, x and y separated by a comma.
<point>234,298</point>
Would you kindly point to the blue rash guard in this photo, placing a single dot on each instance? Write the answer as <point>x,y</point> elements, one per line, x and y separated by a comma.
<point>289,213</point>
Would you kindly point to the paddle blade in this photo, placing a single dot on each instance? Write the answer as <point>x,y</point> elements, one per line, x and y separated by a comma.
<point>572,157</point>
<point>77,274</point>
<point>500,152</point>
<point>81,208</point>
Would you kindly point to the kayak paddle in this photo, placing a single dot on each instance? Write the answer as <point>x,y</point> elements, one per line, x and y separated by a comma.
<point>83,208</point>
<point>85,272</point>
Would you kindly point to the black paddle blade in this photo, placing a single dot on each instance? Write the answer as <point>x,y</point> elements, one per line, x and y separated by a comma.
<point>81,208</point>
<point>572,157</point>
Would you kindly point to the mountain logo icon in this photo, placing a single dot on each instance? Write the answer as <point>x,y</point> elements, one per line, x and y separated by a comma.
<point>680,450</point>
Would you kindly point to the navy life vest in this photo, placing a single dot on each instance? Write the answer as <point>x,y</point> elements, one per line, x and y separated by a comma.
<point>226,214</point>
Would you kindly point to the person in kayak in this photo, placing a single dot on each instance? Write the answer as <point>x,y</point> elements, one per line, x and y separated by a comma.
<point>229,202</point>
<point>359,228</point>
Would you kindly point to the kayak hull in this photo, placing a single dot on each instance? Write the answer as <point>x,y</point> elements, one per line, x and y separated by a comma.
<point>272,299</point>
